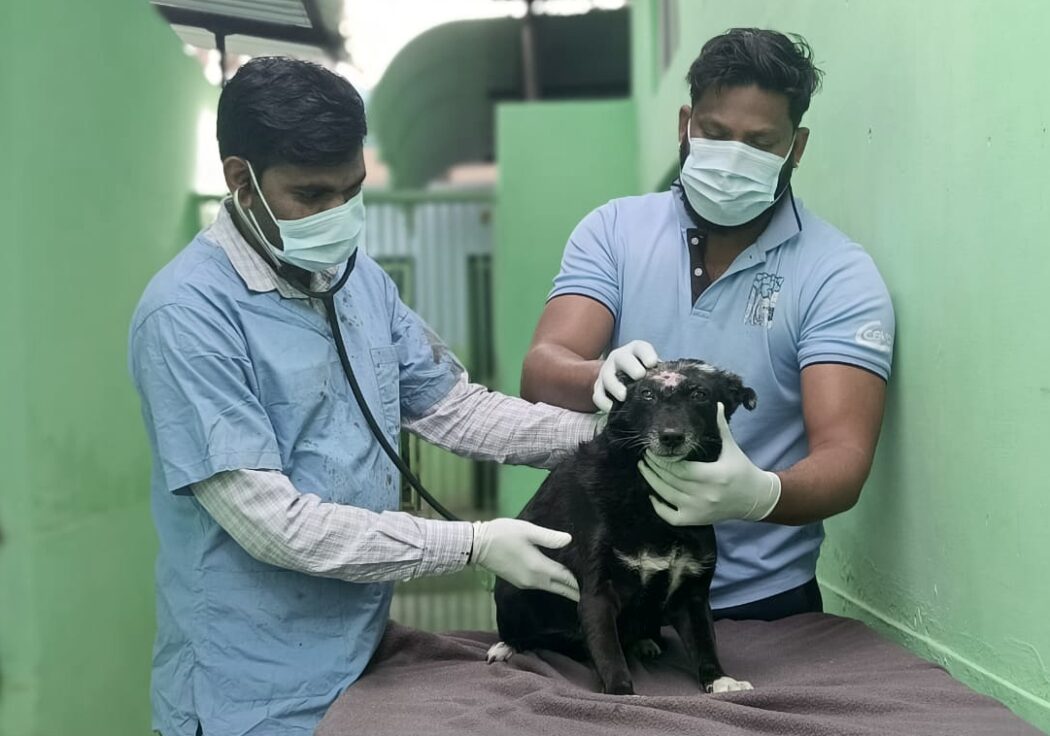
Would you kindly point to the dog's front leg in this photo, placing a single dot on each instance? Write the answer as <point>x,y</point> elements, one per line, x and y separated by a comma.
<point>690,614</point>
<point>599,608</point>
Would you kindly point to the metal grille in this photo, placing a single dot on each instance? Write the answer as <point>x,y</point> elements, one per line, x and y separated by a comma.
<point>437,249</point>
<point>457,602</point>
<point>427,241</point>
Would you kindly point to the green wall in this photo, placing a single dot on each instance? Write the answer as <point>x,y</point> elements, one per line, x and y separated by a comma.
<point>99,111</point>
<point>930,146</point>
<point>557,161</point>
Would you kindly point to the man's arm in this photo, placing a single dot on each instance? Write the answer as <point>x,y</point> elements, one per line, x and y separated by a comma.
<point>842,406</point>
<point>277,524</point>
<point>565,356</point>
<point>484,425</point>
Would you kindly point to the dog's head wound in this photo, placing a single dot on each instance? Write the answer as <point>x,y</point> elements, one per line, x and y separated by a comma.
<point>672,410</point>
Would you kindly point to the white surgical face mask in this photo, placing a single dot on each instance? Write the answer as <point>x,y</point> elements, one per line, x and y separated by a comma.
<point>314,243</point>
<point>730,183</point>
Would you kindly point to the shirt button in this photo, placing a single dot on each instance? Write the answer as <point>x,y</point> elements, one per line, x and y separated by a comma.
<point>698,272</point>
<point>695,241</point>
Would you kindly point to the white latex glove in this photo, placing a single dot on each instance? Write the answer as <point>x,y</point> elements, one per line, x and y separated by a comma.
<point>633,359</point>
<point>705,493</point>
<point>509,549</point>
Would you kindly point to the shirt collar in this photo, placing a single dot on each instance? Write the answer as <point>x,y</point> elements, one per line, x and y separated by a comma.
<point>256,273</point>
<point>785,224</point>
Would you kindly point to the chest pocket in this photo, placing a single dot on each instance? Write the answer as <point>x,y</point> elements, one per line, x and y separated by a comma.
<point>388,374</point>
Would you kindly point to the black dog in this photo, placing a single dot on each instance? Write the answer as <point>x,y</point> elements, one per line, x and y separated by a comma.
<point>635,571</point>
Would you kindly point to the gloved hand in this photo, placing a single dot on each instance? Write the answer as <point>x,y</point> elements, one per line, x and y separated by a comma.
<point>508,548</point>
<point>704,493</point>
<point>633,359</point>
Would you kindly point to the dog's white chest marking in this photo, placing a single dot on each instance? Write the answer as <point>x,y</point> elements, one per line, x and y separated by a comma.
<point>678,563</point>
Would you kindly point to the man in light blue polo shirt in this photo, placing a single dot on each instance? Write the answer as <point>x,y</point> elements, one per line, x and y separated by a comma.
<point>729,267</point>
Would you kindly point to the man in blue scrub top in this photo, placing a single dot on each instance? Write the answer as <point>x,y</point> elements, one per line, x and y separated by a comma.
<point>274,505</point>
<point>729,267</point>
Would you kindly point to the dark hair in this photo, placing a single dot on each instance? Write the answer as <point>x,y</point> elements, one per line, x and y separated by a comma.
<point>745,56</point>
<point>280,110</point>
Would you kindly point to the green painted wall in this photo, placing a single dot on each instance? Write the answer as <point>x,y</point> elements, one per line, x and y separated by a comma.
<point>98,114</point>
<point>557,161</point>
<point>930,146</point>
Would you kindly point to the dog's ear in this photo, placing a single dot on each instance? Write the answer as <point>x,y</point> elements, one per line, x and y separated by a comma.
<point>736,394</point>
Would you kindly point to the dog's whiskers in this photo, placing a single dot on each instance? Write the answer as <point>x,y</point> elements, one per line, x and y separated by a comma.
<point>627,440</point>
<point>698,443</point>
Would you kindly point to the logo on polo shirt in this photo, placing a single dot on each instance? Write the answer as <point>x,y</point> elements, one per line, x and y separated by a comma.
<point>765,290</point>
<point>875,336</point>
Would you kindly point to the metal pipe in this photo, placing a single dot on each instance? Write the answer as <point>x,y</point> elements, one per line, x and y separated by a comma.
<point>220,45</point>
<point>530,72</point>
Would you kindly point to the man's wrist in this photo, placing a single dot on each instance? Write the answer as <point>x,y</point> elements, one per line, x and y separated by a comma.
<point>766,503</point>
<point>578,427</point>
<point>447,548</point>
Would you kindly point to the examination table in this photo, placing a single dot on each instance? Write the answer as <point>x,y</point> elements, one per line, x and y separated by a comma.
<point>814,675</point>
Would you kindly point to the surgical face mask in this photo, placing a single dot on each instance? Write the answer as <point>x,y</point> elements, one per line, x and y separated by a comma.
<point>730,183</point>
<point>314,243</point>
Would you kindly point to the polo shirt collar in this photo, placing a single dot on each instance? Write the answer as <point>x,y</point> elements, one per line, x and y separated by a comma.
<point>786,222</point>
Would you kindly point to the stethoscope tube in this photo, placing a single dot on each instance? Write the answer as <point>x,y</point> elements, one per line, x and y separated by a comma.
<point>328,299</point>
<point>333,321</point>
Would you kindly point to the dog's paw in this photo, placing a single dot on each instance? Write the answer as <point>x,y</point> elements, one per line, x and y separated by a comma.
<point>728,685</point>
<point>619,687</point>
<point>646,649</point>
<point>500,652</point>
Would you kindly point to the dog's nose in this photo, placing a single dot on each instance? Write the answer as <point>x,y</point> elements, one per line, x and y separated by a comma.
<point>671,437</point>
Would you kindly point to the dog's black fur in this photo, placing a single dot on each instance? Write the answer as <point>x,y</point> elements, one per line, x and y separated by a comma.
<point>601,499</point>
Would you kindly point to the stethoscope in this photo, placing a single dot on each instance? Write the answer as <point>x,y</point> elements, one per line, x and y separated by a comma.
<point>327,298</point>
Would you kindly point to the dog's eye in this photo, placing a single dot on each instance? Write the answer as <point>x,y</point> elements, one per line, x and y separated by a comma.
<point>646,394</point>
<point>699,394</point>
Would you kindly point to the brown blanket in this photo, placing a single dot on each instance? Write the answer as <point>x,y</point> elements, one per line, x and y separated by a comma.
<point>813,674</point>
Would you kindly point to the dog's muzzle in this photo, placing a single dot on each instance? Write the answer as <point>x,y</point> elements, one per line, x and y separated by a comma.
<point>670,442</point>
